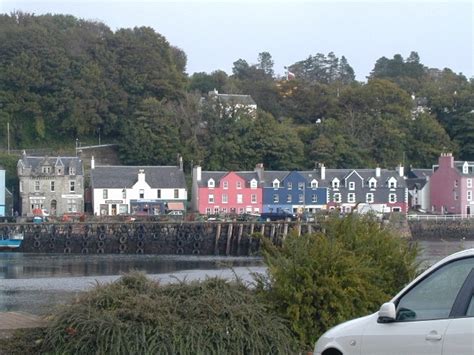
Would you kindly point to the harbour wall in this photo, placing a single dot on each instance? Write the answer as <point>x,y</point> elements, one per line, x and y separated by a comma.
<point>442,229</point>
<point>219,238</point>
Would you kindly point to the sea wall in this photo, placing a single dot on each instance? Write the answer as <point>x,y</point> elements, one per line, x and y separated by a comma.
<point>442,229</point>
<point>226,238</point>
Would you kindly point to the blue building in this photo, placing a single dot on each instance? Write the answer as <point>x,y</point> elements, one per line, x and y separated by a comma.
<point>2,192</point>
<point>293,191</point>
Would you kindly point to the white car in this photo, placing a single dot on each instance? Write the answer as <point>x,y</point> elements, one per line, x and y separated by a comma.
<point>433,315</point>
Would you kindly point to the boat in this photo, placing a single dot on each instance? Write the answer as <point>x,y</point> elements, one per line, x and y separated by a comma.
<point>11,242</point>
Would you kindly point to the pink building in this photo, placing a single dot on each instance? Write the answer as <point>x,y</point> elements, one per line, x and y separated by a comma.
<point>452,186</point>
<point>217,192</point>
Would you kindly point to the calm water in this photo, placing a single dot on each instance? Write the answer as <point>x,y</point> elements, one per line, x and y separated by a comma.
<point>36,282</point>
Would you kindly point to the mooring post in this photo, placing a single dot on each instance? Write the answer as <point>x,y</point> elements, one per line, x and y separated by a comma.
<point>229,238</point>
<point>299,229</point>
<point>218,235</point>
<point>252,227</point>
<point>262,230</point>
<point>272,232</point>
<point>310,229</point>
<point>239,237</point>
<point>285,230</point>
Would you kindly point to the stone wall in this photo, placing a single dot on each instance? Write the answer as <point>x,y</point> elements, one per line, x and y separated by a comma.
<point>442,229</point>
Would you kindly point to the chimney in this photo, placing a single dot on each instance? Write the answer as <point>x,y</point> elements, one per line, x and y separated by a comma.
<point>180,163</point>
<point>259,170</point>
<point>377,172</point>
<point>92,163</point>
<point>401,171</point>
<point>141,175</point>
<point>446,160</point>
<point>197,173</point>
<point>323,171</point>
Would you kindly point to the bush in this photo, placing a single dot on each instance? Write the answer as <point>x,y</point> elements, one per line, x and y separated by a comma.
<point>319,280</point>
<point>137,316</point>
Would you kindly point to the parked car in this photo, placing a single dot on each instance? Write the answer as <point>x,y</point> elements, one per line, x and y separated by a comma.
<point>434,314</point>
<point>278,216</point>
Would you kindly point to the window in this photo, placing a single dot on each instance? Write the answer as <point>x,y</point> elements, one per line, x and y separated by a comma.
<point>373,184</point>
<point>51,186</point>
<point>456,183</point>
<point>71,205</point>
<point>210,198</point>
<point>253,198</point>
<point>211,183</point>
<point>225,185</point>
<point>352,185</point>
<point>392,184</point>
<point>392,198</point>
<point>216,210</point>
<point>158,193</point>
<point>224,210</point>
<point>72,171</point>
<point>72,186</point>
<point>276,184</point>
<point>124,193</point>
<point>289,185</point>
<point>455,193</point>
<point>351,197</point>
<point>45,169</point>
<point>176,193</point>
<point>434,296</point>
<point>314,184</point>
<point>253,184</point>
<point>335,184</point>
<point>239,198</point>
<point>239,184</point>
<point>275,198</point>
<point>208,210</point>
<point>288,198</point>
<point>300,198</point>
<point>225,198</point>
<point>369,198</point>
<point>314,198</point>
<point>105,194</point>
<point>469,195</point>
<point>141,193</point>
<point>37,185</point>
<point>469,183</point>
<point>337,197</point>
<point>301,186</point>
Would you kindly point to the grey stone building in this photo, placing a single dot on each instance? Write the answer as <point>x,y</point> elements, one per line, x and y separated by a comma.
<point>52,184</point>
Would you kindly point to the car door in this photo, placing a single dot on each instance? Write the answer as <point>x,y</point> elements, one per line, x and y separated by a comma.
<point>459,338</point>
<point>423,314</point>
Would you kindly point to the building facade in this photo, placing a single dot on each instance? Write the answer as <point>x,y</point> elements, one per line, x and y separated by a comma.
<point>137,190</point>
<point>3,211</point>
<point>452,186</point>
<point>51,184</point>
<point>418,184</point>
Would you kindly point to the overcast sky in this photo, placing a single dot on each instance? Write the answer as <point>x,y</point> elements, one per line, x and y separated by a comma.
<point>214,34</point>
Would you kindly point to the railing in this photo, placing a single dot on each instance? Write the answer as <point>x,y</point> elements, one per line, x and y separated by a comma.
<point>438,217</point>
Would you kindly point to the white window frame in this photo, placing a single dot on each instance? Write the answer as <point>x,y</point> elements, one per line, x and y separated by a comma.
<point>239,185</point>
<point>335,184</point>
<point>211,183</point>
<point>225,185</point>
<point>351,197</point>
<point>208,210</point>
<point>216,210</point>
<point>301,186</point>
<point>300,198</point>
<point>369,197</point>
<point>352,185</point>
<point>314,198</point>
<point>253,184</point>
<point>240,198</point>
<point>314,184</point>
<point>469,195</point>
<point>276,198</point>
<point>210,198</point>
<point>288,198</point>
<point>225,198</point>
<point>141,193</point>
<point>289,185</point>
<point>372,184</point>
<point>337,197</point>
<point>469,183</point>
<point>253,198</point>
<point>37,185</point>
<point>52,188</point>
<point>105,194</point>
<point>276,184</point>
<point>392,198</point>
<point>72,185</point>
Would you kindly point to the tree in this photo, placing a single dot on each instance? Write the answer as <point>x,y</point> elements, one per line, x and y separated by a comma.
<point>265,63</point>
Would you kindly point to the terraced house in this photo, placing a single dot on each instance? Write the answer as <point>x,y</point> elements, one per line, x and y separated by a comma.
<point>55,184</point>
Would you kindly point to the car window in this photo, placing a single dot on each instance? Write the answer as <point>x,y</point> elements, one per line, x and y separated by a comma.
<point>434,296</point>
<point>470,309</point>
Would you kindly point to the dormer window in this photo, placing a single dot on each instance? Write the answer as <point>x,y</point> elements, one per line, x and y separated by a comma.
<point>372,183</point>
<point>352,185</point>
<point>465,168</point>
<point>314,184</point>
<point>253,184</point>
<point>276,184</point>
<point>211,183</point>
<point>392,183</point>
<point>335,184</point>
<point>72,170</point>
<point>45,169</point>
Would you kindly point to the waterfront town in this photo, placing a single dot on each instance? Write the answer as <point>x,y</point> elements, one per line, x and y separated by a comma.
<point>58,187</point>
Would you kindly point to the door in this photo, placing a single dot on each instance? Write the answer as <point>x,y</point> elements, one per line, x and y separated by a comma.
<point>424,314</point>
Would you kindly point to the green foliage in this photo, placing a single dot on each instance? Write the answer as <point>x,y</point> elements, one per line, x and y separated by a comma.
<point>137,316</point>
<point>349,270</point>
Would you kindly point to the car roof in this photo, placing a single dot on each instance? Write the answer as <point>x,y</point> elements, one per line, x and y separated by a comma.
<point>456,256</point>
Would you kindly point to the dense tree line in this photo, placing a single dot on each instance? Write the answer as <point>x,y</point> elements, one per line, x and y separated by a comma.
<point>62,78</point>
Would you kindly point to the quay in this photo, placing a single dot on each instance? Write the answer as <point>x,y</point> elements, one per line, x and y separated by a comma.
<point>11,321</point>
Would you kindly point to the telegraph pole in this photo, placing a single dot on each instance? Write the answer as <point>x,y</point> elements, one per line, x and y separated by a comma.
<point>8,138</point>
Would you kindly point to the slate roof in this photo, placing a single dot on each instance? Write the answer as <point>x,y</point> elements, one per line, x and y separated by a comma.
<point>218,175</point>
<point>419,183</point>
<point>366,174</point>
<point>271,175</point>
<point>35,163</point>
<point>470,164</point>
<point>126,176</point>
<point>419,173</point>
<point>233,99</point>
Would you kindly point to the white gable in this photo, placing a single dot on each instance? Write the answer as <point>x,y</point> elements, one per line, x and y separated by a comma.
<point>276,183</point>
<point>314,183</point>
<point>211,183</point>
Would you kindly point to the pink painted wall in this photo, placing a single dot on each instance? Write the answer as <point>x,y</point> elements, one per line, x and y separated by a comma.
<point>232,191</point>
<point>443,186</point>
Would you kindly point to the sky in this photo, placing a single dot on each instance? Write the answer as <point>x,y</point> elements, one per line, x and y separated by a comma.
<point>214,34</point>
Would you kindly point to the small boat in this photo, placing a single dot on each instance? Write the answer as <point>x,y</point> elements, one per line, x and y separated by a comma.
<point>11,242</point>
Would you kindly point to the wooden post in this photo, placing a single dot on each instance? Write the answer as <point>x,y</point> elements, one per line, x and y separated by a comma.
<point>218,235</point>
<point>285,230</point>
<point>252,227</point>
<point>229,238</point>
<point>310,229</point>
<point>239,237</point>
<point>272,232</point>
<point>299,229</point>
<point>262,230</point>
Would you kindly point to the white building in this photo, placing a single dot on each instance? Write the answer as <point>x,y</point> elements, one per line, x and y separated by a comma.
<point>140,190</point>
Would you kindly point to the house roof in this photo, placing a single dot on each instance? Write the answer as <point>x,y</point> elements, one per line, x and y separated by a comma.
<point>419,183</point>
<point>366,174</point>
<point>271,175</point>
<point>35,163</point>
<point>470,166</point>
<point>127,176</point>
<point>420,173</point>
<point>218,175</point>
<point>233,99</point>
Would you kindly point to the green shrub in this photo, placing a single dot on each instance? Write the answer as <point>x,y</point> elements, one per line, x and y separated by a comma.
<point>137,316</point>
<point>349,270</point>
